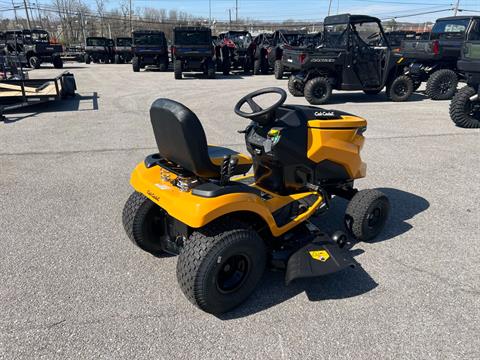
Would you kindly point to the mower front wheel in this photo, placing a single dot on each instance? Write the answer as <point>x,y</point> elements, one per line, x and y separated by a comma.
<point>220,266</point>
<point>366,214</point>
<point>143,221</point>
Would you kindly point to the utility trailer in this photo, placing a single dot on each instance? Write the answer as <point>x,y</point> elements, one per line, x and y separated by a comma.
<point>18,93</point>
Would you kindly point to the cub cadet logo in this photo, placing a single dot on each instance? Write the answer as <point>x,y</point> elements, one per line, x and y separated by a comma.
<point>324,113</point>
<point>319,60</point>
<point>320,255</point>
<point>152,195</point>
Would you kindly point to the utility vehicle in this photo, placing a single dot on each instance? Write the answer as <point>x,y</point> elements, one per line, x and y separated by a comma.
<point>233,51</point>
<point>35,45</point>
<point>149,48</point>
<point>97,50</point>
<point>435,60</point>
<point>194,199</point>
<point>192,50</point>
<point>465,105</point>
<point>347,61</point>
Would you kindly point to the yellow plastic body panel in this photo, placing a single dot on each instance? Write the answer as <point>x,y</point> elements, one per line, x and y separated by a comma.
<point>158,185</point>
<point>339,142</point>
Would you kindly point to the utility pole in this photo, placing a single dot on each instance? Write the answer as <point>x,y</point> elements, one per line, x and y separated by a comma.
<point>83,27</point>
<point>15,12</point>
<point>28,16</point>
<point>230,19</point>
<point>236,11</point>
<point>329,7</point>
<point>210,12</point>
<point>130,15</point>
<point>456,8</point>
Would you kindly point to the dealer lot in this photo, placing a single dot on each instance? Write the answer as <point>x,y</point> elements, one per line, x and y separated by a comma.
<point>73,286</point>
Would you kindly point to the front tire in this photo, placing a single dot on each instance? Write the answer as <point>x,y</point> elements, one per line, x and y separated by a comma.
<point>294,87</point>
<point>220,266</point>
<point>143,222</point>
<point>366,214</point>
<point>318,91</point>
<point>278,69</point>
<point>442,85</point>
<point>400,89</point>
<point>463,112</point>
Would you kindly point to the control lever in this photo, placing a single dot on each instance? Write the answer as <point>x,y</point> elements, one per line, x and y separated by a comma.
<point>227,169</point>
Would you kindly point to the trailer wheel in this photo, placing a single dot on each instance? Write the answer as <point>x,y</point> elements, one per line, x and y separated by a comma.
<point>136,64</point>
<point>400,89</point>
<point>34,62</point>
<point>220,265</point>
<point>366,214</point>
<point>57,62</point>
<point>278,69</point>
<point>463,112</point>
<point>68,86</point>
<point>257,67</point>
<point>294,87</point>
<point>318,90</point>
<point>442,85</point>
<point>177,69</point>
<point>87,59</point>
<point>143,221</point>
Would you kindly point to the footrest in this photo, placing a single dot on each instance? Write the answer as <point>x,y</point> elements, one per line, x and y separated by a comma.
<point>320,257</point>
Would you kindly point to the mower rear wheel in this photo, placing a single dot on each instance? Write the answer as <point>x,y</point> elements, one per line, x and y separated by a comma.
<point>318,90</point>
<point>143,221</point>
<point>278,69</point>
<point>220,265</point>
<point>442,85</point>
<point>294,87</point>
<point>400,89</point>
<point>463,111</point>
<point>366,214</point>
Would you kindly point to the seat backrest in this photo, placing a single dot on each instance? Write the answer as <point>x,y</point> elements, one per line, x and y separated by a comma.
<point>180,137</point>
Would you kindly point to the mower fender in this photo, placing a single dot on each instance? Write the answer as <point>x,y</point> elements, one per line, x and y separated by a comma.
<point>320,257</point>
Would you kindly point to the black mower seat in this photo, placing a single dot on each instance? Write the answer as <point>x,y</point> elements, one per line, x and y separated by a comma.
<point>180,139</point>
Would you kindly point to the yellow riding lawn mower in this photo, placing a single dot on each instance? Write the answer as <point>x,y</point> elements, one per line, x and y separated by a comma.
<point>198,200</point>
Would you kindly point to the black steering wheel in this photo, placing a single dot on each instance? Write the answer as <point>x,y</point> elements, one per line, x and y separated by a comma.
<point>259,114</point>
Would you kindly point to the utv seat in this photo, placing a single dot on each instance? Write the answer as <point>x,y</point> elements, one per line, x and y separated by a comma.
<point>181,139</point>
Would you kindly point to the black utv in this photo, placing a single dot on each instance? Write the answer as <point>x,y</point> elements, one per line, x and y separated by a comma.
<point>192,50</point>
<point>465,106</point>
<point>149,48</point>
<point>97,49</point>
<point>123,50</point>
<point>233,51</point>
<point>435,60</point>
<point>35,45</point>
<point>346,60</point>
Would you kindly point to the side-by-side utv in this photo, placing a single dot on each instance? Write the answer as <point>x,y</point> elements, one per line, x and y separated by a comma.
<point>97,50</point>
<point>196,200</point>
<point>122,50</point>
<point>149,48</point>
<point>347,60</point>
<point>465,106</point>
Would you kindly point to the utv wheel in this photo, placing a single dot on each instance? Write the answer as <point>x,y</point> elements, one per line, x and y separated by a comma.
<point>318,91</point>
<point>163,66</point>
<point>442,85</point>
<point>211,70</point>
<point>400,89</point>
<point>143,221</point>
<point>278,69</point>
<point>463,111</point>
<point>372,92</point>
<point>264,67</point>
<point>294,87</point>
<point>117,59</point>
<point>367,214</point>
<point>57,62</point>
<point>220,266</point>
<point>136,64</point>
<point>177,69</point>
<point>87,59</point>
<point>34,62</point>
<point>226,66</point>
<point>257,65</point>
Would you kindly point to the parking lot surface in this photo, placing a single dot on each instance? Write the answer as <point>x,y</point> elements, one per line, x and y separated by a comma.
<point>73,286</point>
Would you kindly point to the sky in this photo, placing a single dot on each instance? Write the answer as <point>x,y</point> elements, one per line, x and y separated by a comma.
<point>308,10</point>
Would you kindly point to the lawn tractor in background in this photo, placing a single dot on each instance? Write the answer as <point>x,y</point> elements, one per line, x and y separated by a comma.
<point>194,199</point>
<point>123,50</point>
<point>192,50</point>
<point>347,60</point>
<point>150,49</point>
<point>435,60</point>
<point>465,105</point>
<point>233,51</point>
